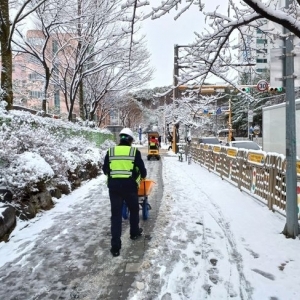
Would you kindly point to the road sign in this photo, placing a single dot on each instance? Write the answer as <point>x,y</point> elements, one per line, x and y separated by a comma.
<point>250,115</point>
<point>262,85</point>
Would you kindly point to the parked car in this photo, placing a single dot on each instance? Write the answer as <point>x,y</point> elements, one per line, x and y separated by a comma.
<point>209,140</point>
<point>251,145</point>
<point>223,135</point>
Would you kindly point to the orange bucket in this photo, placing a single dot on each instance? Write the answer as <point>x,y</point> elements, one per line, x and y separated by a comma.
<point>146,187</point>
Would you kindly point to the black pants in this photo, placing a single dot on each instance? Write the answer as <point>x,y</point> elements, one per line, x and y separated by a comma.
<point>116,201</point>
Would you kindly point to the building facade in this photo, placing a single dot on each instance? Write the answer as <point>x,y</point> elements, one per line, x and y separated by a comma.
<point>265,52</point>
<point>29,76</point>
<point>254,53</point>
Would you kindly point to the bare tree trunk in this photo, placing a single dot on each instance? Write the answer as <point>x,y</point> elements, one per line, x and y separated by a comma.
<point>79,32</point>
<point>91,116</point>
<point>44,103</point>
<point>81,108</point>
<point>46,85</point>
<point>6,54</point>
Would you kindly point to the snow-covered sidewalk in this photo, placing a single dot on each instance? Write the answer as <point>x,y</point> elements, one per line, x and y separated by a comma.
<point>210,241</point>
<point>213,241</point>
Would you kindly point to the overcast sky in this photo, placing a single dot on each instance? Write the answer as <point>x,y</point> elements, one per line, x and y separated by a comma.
<point>162,34</point>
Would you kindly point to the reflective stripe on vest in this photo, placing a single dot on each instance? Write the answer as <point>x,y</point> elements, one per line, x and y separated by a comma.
<point>121,161</point>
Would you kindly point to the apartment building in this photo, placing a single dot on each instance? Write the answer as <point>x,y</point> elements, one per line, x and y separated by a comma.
<point>277,59</point>
<point>267,53</point>
<point>262,53</point>
<point>29,77</point>
<point>254,53</point>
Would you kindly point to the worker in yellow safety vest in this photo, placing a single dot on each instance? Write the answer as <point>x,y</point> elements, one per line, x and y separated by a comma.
<point>124,167</point>
<point>153,143</point>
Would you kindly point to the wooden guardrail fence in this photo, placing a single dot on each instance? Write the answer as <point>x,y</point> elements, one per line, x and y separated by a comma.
<point>261,174</point>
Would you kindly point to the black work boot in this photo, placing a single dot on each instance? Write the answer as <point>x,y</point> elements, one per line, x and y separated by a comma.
<point>134,237</point>
<point>115,252</point>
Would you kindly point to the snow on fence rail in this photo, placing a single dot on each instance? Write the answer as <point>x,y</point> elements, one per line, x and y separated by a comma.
<point>261,174</point>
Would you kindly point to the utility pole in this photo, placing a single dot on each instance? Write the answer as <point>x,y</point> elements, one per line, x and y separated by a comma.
<point>164,129</point>
<point>291,228</point>
<point>216,128</point>
<point>175,72</point>
<point>175,98</point>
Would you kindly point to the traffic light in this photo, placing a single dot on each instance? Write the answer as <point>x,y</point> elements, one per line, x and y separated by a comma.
<point>280,89</point>
<point>273,89</point>
<point>246,89</point>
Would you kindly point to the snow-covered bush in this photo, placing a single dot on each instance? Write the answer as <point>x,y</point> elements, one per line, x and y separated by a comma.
<point>3,105</point>
<point>104,146</point>
<point>28,170</point>
<point>72,160</point>
<point>65,148</point>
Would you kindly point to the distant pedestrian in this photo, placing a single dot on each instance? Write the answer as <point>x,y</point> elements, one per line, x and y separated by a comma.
<point>153,143</point>
<point>170,139</point>
<point>251,132</point>
<point>159,141</point>
<point>124,168</point>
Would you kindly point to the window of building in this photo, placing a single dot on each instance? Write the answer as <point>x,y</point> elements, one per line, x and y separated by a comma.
<point>36,41</point>
<point>262,51</point>
<point>55,73</point>
<point>261,41</point>
<point>113,114</point>
<point>36,94</point>
<point>56,99</point>
<point>261,70</point>
<point>35,76</point>
<point>54,46</point>
<point>34,60</point>
<point>259,31</point>
<point>261,60</point>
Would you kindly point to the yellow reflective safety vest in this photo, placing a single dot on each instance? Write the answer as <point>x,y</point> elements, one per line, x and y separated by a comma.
<point>121,162</point>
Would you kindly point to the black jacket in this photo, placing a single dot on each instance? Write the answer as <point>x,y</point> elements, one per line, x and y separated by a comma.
<point>125,183</point>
